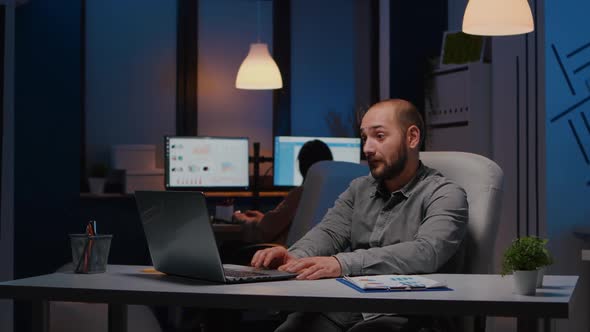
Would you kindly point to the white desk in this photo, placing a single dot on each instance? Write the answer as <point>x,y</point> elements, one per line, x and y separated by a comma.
<point>121,285</point>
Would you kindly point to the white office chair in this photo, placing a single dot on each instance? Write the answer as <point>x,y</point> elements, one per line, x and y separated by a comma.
<point>482,180</point>
<point>324,182</point>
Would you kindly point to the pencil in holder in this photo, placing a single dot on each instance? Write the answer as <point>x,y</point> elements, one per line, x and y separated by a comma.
<point>90,253</point>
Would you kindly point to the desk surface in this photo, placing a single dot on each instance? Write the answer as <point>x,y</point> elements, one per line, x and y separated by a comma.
<point>471,294</point>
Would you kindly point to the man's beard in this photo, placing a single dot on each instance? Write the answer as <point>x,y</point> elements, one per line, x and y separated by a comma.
<point>395,169</point>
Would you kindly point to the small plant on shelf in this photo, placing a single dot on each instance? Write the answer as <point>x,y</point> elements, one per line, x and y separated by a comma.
<point>97,177</point>
<point>98,171</point>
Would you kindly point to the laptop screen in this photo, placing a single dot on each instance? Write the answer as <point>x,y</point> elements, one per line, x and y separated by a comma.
<point>286,149</point>
<point>206,163</point>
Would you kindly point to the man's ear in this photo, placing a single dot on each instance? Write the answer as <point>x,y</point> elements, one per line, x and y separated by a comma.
<point>413,137</point>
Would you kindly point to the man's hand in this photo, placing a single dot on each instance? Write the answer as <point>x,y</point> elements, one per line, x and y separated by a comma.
<point>248,216</point>
<point>311,268</point>
<point>271,258</point>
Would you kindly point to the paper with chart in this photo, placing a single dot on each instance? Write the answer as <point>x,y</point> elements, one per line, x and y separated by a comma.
<point>391,281</point>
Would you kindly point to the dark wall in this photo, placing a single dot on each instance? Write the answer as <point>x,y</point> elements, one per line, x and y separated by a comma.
<point>47,132</point>
<point>2,32</point>
<point>323,81</point>
<point>416,35</point>
<point>48,103</point>
<point>566,95</point>
<point>131,75</point>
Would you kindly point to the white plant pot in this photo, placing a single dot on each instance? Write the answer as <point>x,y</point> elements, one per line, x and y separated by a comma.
<point>96,185</point>
<point>525,282</point>
<point>540,275</point>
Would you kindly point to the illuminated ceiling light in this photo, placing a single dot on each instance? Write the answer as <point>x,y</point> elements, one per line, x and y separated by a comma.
<point>498,17</point>
<point>259,71</point>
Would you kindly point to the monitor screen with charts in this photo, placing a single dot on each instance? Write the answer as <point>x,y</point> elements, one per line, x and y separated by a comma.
<point>206,163</point>
<point>286,149</point>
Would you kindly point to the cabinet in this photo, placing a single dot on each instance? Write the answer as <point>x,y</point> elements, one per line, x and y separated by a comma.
<point>458,109</point>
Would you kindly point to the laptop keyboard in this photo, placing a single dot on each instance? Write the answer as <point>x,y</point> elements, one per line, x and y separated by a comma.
<point>242,274</point>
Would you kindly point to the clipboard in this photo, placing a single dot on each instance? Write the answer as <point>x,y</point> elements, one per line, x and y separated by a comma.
<point>348,281</point>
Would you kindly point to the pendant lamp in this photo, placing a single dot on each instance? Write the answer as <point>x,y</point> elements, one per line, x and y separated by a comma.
<point>498,17</point>
<point>259,71</point>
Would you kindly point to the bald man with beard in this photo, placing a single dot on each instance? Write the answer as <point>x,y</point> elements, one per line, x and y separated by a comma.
<point>403,218</point>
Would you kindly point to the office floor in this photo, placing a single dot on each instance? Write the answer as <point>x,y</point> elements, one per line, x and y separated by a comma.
<point>209,320</point>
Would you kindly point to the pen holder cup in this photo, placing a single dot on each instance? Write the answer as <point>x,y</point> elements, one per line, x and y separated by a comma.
<point>90,253</point>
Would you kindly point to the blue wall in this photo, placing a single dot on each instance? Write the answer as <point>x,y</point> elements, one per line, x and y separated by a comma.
<point>567,69</point>
<point>131,71</point>
<point>568,132</point>
<point>226,30</point>
<point>130,74</point>
<point>322,65</point>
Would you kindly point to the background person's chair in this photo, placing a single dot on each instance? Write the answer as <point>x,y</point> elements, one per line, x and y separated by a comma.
<point>325,181</point>
<point>482,180</point>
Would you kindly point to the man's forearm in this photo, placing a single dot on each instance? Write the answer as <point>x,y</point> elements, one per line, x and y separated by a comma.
<point>424,255</point>
<point>402,258</point>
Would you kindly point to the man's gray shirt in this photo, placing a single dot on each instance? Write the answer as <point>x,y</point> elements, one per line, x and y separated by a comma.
<point>416,229</point>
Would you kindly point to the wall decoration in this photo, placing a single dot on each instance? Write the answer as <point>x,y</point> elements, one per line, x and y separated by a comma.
<point>574,65</point>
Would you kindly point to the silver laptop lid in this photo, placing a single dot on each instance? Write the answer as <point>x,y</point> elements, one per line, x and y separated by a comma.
<point>179,234</point>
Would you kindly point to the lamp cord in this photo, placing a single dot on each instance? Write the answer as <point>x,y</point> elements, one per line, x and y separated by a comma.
<point>258,21</point>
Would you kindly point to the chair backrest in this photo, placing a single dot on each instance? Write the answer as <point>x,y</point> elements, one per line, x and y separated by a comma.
<point>324,182</point>
<point>482,180</point>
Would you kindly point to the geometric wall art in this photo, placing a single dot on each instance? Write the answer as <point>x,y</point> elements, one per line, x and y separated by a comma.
<point>575,67</point>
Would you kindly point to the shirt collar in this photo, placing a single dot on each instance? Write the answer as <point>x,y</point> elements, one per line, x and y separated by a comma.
<point>380,190</point>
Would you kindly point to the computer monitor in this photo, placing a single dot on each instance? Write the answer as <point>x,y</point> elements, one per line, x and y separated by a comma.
<point>286,149</point>
<point>206,163</point>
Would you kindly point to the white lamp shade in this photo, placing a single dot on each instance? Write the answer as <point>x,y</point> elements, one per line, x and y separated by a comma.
<point>259,71</point>
<point>498,17</point>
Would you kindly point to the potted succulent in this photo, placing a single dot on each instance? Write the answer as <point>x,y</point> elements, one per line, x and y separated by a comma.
<point>523,258</point>
<point>97,178</point>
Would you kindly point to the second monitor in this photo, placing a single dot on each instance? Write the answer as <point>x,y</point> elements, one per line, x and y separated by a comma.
<point>286,149</point>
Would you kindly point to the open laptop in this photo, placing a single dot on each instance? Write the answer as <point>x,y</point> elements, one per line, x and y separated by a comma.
<point>181,239</point>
